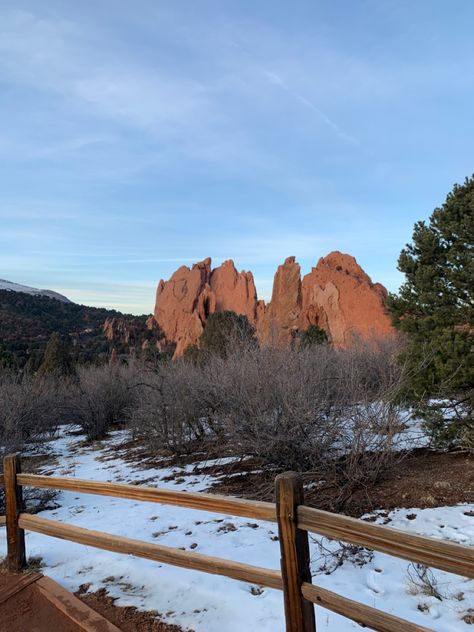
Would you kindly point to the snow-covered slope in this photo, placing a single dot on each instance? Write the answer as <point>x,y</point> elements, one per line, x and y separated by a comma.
<point>16,287</point>
<point>210,603</point>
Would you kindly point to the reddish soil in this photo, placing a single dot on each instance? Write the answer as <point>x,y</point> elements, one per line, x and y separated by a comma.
<point>422,479</point>
<point>128,619</point>
<point>27,607</point>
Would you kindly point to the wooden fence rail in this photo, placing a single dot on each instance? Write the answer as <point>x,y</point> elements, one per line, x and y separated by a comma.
<point>205,502</point>
<point>294,521</point>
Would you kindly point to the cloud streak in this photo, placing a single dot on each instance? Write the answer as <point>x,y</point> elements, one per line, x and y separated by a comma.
<point>276,80</point>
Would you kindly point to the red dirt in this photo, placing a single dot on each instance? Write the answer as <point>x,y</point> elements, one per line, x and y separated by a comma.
<point>28,610</point>
<point>128,619</point>
<point>422,479</point>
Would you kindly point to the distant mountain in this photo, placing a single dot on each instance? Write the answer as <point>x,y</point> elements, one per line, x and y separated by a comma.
<point>17,287</point>
<point>27,321</point>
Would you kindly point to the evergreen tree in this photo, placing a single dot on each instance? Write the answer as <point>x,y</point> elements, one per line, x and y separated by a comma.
<point>225,331</point>
<point>56,359</point>
<point>435,308</point>
<point>314,335</point>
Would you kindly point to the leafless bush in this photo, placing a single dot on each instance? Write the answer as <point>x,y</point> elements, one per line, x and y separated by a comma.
<point>171,410</point>
<point>101,397</point>
<point>273,403</point>
<point>30,409</point>
<point>317,410</point>
<point>330,413</point>
<point>421,580</point>
<point>333,554</point>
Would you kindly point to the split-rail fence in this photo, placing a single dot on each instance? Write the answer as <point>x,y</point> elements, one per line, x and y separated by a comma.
<point>294,520</point>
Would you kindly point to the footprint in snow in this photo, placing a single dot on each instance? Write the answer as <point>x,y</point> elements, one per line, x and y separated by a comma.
<point>372,583</point>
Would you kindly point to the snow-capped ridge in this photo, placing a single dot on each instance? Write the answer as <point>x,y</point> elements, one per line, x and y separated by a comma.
<point>17,287</point>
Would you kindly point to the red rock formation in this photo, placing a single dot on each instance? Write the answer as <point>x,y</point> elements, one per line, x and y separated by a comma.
<point>336,295</point>
<point>181,302</point>
<point>134,332</point>
<point>120,330</point>
<point>281,316</point>
<point>339,297</point>
<point>184,303</point>
<point>234,291</point>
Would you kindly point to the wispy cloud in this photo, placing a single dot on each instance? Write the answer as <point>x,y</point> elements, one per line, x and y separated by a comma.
<point>278,81</point>
<point>53,54</point>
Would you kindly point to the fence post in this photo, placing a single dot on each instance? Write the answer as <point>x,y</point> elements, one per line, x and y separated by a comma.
<point>16,557</point>
<point>294,547</point>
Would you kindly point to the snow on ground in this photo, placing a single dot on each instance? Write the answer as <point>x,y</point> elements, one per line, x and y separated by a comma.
<point>208,603</point>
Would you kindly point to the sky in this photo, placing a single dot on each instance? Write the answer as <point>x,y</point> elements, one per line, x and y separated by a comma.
<point>136,137</point>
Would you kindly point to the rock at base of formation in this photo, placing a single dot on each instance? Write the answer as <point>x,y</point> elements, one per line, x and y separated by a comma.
<point>337,295</point>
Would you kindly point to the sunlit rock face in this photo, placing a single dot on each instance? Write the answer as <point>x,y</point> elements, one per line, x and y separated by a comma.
<point>337,295</point>
<point>234,291</point>
<point>184,303</point>
<point>280,318</point>
<point>340,297</point>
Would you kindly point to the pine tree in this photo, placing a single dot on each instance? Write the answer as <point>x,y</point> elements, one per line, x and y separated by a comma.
<point>227,331</point>
<point>435,308</point>
<point>314,335</point>
<point>56,359</point>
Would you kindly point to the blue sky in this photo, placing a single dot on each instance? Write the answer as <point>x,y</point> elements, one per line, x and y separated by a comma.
<point>138,136</point>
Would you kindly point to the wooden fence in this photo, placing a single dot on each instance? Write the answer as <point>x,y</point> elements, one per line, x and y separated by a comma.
<point>294,521</point>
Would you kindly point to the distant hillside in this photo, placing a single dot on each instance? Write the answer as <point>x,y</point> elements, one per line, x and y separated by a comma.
<point>27,321</point>
<point>17,287</point>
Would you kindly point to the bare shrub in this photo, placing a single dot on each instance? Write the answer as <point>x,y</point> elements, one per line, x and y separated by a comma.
<point>332,414</point>
<point>101,397</point>
<point>268,405</point>
<point>421,580</point>
<point>329,413</point>
<point>30,409</point>
<point>333,554</point>
<point>171,409</point>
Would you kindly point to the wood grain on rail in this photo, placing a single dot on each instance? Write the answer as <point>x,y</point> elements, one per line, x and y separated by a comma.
<point>362,614</point>
<point>206,502</point>
<point>156,552</point>
<point>447,556</point>
<point>3,521</point>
